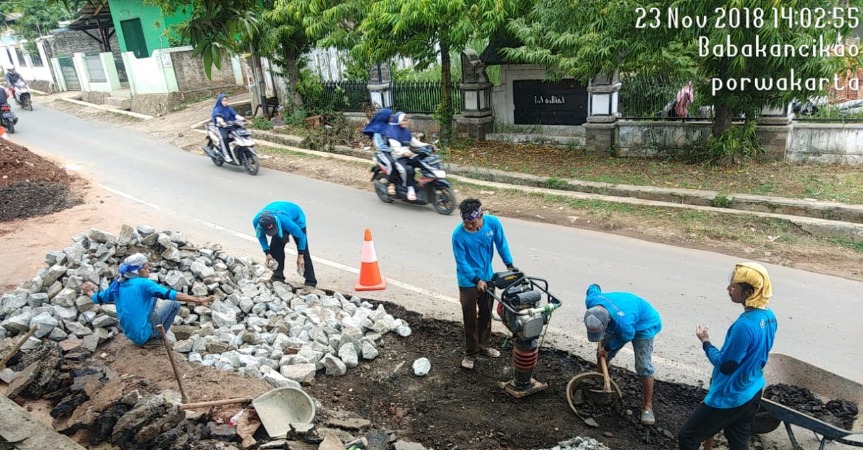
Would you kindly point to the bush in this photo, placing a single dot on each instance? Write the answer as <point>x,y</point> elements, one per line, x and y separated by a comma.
<point>737,145</point>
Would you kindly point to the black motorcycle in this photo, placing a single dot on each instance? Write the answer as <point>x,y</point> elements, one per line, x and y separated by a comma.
<point>432,186</point>
<point>7,118</point>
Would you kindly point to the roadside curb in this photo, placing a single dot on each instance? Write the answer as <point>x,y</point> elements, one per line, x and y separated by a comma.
<point>106,108</point>
<point>812,225</point>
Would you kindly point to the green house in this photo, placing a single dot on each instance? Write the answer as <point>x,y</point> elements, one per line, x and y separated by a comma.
<point>142,28</point>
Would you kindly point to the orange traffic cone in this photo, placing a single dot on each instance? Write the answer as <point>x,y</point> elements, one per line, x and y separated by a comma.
<point>370,278</point>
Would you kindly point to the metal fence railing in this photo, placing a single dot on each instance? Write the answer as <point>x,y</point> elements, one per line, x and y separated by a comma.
<point>95,70</point>
<point>423,96</point>
<point>644,97</point>
<point>344,96</point>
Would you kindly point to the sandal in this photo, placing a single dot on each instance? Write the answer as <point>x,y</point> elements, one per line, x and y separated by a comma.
<point>468,362</point>
<point>490,352</point>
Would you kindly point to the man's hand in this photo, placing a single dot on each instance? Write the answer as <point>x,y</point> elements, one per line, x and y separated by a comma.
<point>481,286</point>
<point>206,300</point>
<point>601,352</point>
<point>301,265</point>
<point>701,333</point>
<point>88,288</point>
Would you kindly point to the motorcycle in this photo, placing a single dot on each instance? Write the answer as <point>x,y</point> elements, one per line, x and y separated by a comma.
<point>432,186</point>
<point>22,95</point>
<point>241,146</point>
<point>8,120</point>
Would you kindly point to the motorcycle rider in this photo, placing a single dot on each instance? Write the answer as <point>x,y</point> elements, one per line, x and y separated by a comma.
<point>401,142</point>
<point>374,130</point>
<point>222,115</point>
<point>12,77</point>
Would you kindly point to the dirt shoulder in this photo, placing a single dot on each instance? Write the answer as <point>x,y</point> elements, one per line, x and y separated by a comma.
<point>744,236</point>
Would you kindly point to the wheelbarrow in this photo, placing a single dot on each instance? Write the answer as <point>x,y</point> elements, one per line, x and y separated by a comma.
<point>823,384</point>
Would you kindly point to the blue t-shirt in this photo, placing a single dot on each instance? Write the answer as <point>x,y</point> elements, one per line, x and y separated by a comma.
<point>135,299</point>
<point>631,316</point>
<point>748,342</point>
<point>290,219</point>
<point>474,251</point>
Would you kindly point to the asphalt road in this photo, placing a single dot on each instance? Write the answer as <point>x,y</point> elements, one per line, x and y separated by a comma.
<point>818,315</point>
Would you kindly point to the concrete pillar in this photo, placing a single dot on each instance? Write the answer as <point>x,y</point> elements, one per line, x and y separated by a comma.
<point>603,111</point>
<point>773,128</point>
<point>476,119</point>
<point>380,85</point>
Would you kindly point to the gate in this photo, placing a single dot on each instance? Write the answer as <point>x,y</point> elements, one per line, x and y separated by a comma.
<point>67,71</point>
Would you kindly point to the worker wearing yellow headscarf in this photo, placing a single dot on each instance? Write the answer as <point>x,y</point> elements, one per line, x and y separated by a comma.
<point>738,377</point>
<point>754,275</point>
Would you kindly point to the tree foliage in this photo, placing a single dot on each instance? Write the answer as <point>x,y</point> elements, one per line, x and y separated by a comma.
<point>37,18</point>
<point>425,29</point>
<point>583,38</point>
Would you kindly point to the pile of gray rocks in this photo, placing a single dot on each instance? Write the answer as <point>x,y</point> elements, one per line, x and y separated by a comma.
<point>269,330</point>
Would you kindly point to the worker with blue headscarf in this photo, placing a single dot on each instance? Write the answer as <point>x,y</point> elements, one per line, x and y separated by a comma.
<point>135,295</point>
<point>223,117</point>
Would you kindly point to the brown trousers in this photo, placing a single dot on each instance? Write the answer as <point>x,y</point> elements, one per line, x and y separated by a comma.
<point>476,314</point>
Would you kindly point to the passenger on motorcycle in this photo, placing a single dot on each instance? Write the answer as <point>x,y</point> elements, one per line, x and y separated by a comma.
<point>222,114</point>
<point>375,130</point>
<point>12,77</point>
<point>401,142</point>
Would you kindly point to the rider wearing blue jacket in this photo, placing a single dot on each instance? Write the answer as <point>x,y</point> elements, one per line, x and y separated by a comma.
<point>222,116</point>
<point>615,318</point>
<point>280,221</point>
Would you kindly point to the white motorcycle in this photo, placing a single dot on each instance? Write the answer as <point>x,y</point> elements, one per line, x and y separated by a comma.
<point>241,145</point>
<point>22,95</point>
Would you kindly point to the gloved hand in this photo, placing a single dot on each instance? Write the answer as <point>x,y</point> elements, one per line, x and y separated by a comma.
<point>512,268</point>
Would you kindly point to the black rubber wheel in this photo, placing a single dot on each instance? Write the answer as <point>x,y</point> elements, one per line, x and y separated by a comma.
<point>764,422</point>
<point>29,104</point>
<point>10,127</point>
<point>444,200</point>
<point>250,162</point>
<point>218,162</point>
<point>381,183</point>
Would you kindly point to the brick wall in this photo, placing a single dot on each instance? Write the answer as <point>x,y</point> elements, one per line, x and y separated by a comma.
<point>191,76</point>
<point>70,42</point>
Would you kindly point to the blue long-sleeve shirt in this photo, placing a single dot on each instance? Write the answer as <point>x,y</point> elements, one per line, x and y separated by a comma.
<point>474,251</point>
<point>290,219</point>
<point>135,299</point>
<point>747,344</point>
<point>631,316</point>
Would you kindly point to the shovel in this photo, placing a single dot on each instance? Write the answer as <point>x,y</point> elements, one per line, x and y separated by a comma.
<point>581,391</point>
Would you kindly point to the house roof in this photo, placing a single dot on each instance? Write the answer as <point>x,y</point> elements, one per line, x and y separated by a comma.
<point>91,14</point>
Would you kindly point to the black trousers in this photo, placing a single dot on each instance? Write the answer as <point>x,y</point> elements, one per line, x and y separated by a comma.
<point>476,313</point>
<point>277,249</point>
<point>706,421</point>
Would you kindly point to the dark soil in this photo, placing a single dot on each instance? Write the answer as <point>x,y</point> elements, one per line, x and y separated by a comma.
<point>34,198</point>
<point>836,412</point>
<point>30,185</point>
<point>454,408</point>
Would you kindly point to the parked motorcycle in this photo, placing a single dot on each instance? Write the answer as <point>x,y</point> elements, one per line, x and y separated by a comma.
<point>241,146</point>
<point>22,95</point>
<point>432,186</point>
<point>8,120</point>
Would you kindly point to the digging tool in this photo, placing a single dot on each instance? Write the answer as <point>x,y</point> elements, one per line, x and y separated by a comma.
<point>183,395</point>
<point>17,347</point>
<point>229,401</point>
<point>582,391</point>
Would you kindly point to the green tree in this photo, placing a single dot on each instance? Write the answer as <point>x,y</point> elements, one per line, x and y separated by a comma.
<point>425,29</point>
<point>583,38</point>
<point>283,36</point>
<point>37,19</point>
